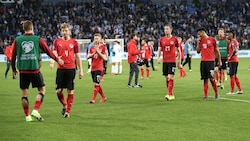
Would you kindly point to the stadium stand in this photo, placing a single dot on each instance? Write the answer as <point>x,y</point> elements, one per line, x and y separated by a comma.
<point>118,18</point>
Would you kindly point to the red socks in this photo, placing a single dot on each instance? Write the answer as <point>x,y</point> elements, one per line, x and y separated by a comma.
<point>232,82</point>
<point>38,102</point>
<point>170,87</point>
<point>97,89</point>
<point>101,92</point>
<point>61,99</point>
<point>70,101</point>
<point>37,105</point>
<point>182,73</point>
<point>142,72</point>
<point>237,81</point>
<point>148,73</point>
<point>25,104</point>
<point>95,92</point>
<point>205,87</point>
<point>214,86</point>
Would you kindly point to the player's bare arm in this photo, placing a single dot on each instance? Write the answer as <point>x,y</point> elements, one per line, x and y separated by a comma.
<point>159,55</point>
<point>198,49</point>
<point>103,56</point>
<point>90,55</point>
<point>217,54</point>
<point>51,64</point>
<point>79,64</point>
<point>179,58</point>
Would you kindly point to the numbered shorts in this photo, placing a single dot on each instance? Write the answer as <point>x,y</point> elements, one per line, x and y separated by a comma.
<point>207,69</point>
<point>35,79</point>
<point>168,68</point>
<point>96,76</point>
<point>232,68</point>
<point>65,78</point>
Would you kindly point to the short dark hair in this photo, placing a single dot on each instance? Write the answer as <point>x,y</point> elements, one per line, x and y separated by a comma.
<point>231,31</point>
<point>201,29</point>
<point>169,25</point>
<point>145,39</point>
<point>117,41</point>
<point>132,35</point>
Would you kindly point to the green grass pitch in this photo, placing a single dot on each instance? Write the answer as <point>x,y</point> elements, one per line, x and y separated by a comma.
<point>130,114</point>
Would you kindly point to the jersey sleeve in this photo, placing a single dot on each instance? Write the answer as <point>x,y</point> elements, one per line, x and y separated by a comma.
<point>76,47</point>
<point>177,45</point>
<point>215,43</point>
<point>55,45</point>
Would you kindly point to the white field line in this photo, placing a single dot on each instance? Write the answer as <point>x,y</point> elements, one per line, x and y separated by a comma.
<point>233,99</point>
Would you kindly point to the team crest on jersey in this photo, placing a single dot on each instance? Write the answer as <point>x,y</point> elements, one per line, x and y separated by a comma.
<point>71,45</point>
<point>27,46</point>
<point>171,42</point>
<point>208,41</point>
<point>204,45</point>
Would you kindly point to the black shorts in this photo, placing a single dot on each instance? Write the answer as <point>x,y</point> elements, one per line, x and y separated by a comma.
<point>232,68</point>
<point>207,69</point>
<point>96,76</point>
<point>223,61</point>
<point>65,78</point>
<point>35,79</point>
<point>144,62</point>
<point>168,68</point>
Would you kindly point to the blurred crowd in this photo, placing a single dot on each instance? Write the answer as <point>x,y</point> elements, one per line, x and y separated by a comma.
<point>117,19</point>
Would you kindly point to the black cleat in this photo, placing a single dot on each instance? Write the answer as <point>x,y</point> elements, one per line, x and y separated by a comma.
<point>63,110</point>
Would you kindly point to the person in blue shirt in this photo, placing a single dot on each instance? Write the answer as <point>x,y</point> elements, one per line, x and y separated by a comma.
<point>187,53</point>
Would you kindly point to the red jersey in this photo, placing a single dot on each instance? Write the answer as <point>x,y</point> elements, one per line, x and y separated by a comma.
<point>147,52</point>
<point>8,52</point>
<point>67,50</point>
<point>182,46</point>
<point>97,61</point>
<point>233,45</point>
<point>132,51</point>
<point>208,46</point>
<point>168,47</point>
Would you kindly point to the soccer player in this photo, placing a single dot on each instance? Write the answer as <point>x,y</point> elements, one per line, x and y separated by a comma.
<point>181,44</point>
<point>116,58</point>
<point>133,53</point>
<point>98,53</point>
<point>145,57</point>
<point>151,44</point>
<point>168,45</point>
<point>233,47</point>
<point>208,48</point>
<point>8,54</point>
<point>67,48</point>
<point>119,57</point>
<point>187,53</point>
<point>26,50</point>
<point>222,44</point>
